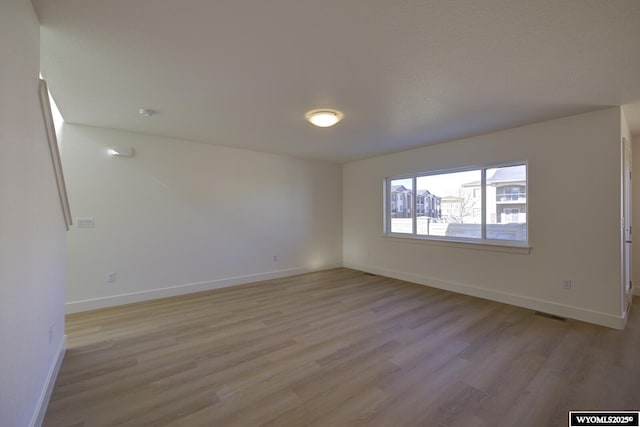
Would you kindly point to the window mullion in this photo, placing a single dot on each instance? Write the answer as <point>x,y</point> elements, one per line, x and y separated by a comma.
<point>483,202</point>
<point>414,194</point>
<point>387,205</point>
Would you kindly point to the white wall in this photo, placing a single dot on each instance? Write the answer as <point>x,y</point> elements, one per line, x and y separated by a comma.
<point>574,196</point>
<point>635,205</point>
<point>181,216</point>
<point>32,231</point>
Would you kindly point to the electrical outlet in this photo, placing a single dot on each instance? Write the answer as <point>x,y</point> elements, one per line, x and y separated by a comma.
<point>566,284</point>
<point>111,277</point>
<point>275,258</point>
<point>50,334</point>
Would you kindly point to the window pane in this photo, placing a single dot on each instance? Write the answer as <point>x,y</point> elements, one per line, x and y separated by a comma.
<point>401,206</point>
<point>507,203</point>
<point>450,205</point>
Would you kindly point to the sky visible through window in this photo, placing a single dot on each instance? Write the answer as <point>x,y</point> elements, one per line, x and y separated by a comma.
<point>443,184</point>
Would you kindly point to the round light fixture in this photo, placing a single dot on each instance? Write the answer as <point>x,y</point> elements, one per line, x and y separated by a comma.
<point>324,118</point>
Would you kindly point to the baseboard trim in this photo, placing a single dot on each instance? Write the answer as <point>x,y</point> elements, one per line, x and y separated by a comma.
<point>562,310</point>
<point>45,395</point>
<point>133,297</point>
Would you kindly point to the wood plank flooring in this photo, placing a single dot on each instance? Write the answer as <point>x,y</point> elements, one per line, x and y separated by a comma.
<point>338,348</point>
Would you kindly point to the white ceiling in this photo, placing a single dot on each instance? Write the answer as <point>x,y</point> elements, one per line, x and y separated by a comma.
<point>405,73</point>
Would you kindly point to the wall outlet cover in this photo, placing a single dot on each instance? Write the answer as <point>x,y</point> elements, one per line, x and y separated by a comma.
<point>84,222</point>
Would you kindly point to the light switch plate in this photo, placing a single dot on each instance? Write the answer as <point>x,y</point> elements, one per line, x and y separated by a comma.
<point>84,222</point>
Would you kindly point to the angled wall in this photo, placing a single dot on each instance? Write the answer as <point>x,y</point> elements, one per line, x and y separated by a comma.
<point>32,230</point>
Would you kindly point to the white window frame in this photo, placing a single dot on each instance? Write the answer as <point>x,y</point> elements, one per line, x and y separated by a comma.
<point>483,183</point>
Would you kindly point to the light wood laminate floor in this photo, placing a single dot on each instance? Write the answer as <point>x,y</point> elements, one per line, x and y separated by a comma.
<point>338,348</point>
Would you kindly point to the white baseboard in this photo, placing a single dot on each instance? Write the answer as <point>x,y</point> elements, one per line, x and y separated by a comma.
<point>572,312</point>
<point>45,395</point>
<point>128,298</point>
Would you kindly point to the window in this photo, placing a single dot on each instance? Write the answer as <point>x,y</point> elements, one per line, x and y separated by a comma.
<point>485,204</point>
<point>510,215</point>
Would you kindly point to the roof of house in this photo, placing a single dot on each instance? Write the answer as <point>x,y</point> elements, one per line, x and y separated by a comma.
<point>505,174</point>
<point>513,173</point>
<point>397,188</point>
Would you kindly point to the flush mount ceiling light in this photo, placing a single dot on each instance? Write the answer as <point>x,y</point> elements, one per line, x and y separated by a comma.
<point>324,118</point>
<point>146,112</point>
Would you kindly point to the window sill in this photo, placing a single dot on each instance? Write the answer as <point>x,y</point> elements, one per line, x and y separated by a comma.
<point>522,248</point>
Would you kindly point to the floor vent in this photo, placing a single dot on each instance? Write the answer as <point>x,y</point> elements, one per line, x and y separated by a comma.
<point>550,316</point>
<point>369,274</point>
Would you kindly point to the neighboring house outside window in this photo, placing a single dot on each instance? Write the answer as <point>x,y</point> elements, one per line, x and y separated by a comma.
<point>401,202</point>
<point>506,195</point>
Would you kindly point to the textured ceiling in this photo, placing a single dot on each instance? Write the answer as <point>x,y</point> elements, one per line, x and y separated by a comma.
<point>405,73</point>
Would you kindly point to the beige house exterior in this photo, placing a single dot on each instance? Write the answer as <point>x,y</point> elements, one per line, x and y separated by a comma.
<point>506,195</point>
